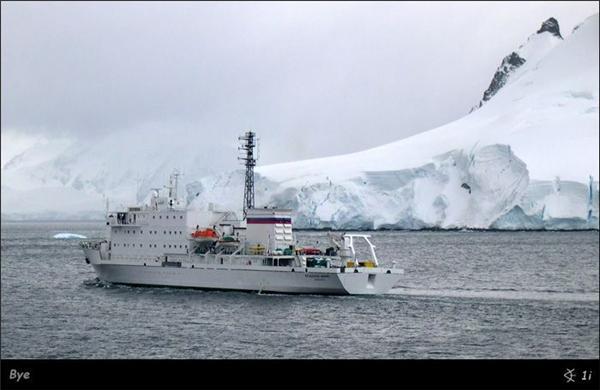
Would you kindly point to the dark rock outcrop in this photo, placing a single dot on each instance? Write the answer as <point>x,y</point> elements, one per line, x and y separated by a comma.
<point>551,26</point>
<point>508,65</point>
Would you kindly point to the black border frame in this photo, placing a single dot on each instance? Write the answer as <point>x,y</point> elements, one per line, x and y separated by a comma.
<point>300,374</point>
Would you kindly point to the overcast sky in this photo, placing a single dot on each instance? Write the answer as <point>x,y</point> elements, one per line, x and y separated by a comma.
<point>313,79</point>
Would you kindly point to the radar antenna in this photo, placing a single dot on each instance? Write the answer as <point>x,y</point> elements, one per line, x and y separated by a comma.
<point>155,191</point>
<point>154,198</point>
<point>248,144</point>
<point>172,187</point>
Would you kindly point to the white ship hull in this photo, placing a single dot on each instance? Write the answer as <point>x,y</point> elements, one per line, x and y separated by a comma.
<point>299,280</point>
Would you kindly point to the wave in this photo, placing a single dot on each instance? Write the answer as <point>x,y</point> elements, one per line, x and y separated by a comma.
<point>499,294</point>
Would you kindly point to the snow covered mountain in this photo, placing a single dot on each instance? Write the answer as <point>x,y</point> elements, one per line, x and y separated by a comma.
<point>521,160</point>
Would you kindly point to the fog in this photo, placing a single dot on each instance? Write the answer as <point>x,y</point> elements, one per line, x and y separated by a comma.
<point>313,79</point>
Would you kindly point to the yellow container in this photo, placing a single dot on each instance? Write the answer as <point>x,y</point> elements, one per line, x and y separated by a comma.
<point>366,264</point>
<point>256,249</point>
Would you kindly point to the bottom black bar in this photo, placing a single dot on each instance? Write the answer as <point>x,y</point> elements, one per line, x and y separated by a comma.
<point>300,374</point>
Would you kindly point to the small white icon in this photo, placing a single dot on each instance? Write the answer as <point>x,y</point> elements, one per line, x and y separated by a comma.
<point>569,375</point>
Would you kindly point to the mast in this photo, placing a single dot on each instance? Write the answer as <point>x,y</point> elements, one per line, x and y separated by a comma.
<point>248,144</point>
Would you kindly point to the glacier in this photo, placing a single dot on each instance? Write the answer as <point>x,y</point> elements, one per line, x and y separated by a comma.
<point>526,159</point>
<point>456,189</point>
<point>487,188</point>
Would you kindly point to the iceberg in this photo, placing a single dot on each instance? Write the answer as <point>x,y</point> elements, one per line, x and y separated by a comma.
<point>68,235</point>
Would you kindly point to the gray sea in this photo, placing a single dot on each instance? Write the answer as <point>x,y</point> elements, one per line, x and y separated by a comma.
<point>464,295</point>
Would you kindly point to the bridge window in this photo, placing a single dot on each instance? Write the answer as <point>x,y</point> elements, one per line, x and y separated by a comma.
<point>167,217</point>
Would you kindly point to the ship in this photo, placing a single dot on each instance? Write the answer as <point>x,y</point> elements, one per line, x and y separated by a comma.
<point>162,243</point>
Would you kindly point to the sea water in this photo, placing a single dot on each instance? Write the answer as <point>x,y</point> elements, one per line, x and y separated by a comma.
<point>463,295</point>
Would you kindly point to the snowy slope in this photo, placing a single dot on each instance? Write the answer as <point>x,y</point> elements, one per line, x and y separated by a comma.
<point>546,116</point>
<point>551,108</point>
<point>534,49</point>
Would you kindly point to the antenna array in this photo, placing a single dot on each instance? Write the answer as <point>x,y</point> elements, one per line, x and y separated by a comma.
<point>248,141</point>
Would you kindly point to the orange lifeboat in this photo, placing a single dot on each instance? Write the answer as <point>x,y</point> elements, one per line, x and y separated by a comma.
<point>205,233</point>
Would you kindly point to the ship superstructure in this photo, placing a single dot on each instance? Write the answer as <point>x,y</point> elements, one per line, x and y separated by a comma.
<point>163,244</point>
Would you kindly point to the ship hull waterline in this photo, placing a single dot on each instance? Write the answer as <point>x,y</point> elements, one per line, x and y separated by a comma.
<point>289,280</point>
